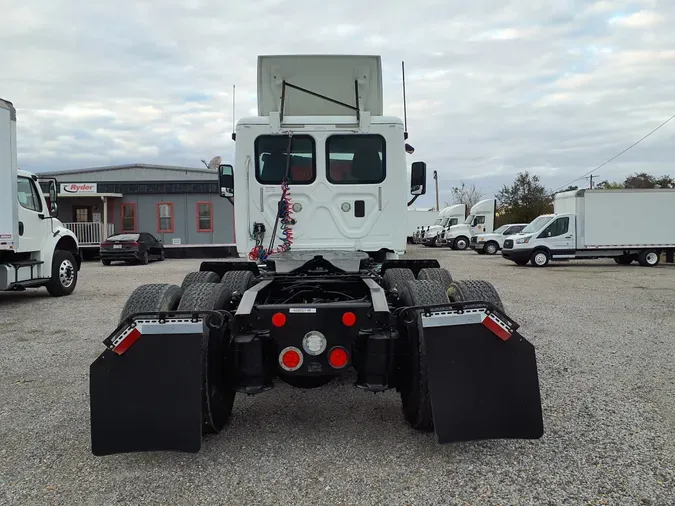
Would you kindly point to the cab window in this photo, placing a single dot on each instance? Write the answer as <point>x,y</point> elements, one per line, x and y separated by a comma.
<point>558,227</point>
<point>355,159</point>
<point>271,159</point>
<point>29,197</point>
<point>478,220</point>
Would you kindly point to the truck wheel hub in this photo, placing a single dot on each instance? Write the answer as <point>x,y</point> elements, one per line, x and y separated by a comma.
<point>66,271</point>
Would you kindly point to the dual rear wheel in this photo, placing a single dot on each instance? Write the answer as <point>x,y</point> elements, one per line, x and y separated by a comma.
<point>200,291</point>
<point>433,286</point>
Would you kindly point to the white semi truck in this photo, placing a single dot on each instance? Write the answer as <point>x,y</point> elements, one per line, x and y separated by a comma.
<point>481,220</point>
<point>36,250</point>
<point>320,194</point>
<point>626,225</point>
<point>447,217</point>
<point>417,220</point>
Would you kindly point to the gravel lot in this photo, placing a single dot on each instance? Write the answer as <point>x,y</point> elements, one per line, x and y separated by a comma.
<point>605,341</point>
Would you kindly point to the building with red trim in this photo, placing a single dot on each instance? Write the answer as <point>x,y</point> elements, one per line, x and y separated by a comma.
<point>178,205</point>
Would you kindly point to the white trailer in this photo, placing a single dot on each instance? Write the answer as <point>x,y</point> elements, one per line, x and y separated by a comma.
<point>626,225</point>
<point>35,248</point>
<point>418,219</point>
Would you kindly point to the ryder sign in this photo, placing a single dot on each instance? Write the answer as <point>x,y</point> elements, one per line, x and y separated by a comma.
<point>78,188</point>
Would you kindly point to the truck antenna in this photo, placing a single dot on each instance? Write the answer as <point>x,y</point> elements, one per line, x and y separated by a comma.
<point>234,135</point>
<point>405,109</point>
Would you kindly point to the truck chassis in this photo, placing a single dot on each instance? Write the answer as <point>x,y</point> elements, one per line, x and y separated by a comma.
<point>172,368</point>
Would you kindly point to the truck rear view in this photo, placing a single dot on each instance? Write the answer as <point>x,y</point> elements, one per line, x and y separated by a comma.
<point>317,294</point>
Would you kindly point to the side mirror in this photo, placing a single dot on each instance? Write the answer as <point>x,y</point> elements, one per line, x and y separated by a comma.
<point>54,210</point>
<point>418,178</point>
<point>226,180</point>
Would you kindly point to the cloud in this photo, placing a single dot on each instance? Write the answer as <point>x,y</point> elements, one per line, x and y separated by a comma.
<point>494,87</point>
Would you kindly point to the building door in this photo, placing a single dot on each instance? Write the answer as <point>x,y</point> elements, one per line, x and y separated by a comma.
<point>82,214</point>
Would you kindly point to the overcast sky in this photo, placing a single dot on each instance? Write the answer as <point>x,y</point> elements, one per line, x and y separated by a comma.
<point>494,86</point>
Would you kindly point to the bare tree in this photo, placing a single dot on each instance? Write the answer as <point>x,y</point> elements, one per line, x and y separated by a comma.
<point>465,194</point>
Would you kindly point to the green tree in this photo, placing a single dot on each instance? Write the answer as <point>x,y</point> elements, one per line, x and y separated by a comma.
<point>524,200</point>
<point>468,195</point>
<point>606,185</point>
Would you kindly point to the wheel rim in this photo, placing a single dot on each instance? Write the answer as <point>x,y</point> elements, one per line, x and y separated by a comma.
<point>66,273</point>
<point>461,244</point>
<point>652,258</point>
<point>540,259</point>
<point>490,248</point>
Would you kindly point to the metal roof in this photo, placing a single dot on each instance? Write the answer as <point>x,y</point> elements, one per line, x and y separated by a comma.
<point>128,166</point>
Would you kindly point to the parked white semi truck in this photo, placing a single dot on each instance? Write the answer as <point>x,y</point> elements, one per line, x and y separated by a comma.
<point>35,248</point>
<point>320,192</point>
<point>626,225</point>
<point>481,220</point>
<point>417,220</point>
<point>448,217</point>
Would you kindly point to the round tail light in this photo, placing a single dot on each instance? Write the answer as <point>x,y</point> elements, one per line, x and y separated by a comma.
<point>290,358</point>
<point>338,357</point>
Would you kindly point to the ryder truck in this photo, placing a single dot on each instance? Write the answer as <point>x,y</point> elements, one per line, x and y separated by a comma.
<point>320,289</point>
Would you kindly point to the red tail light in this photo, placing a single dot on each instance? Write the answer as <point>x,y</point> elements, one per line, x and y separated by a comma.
<point>134,244</point>
<point>290,358</point>
<point>338,357</point>
<point>349,319</point>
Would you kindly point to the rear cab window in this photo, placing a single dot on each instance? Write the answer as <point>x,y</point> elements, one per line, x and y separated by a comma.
<point>355,159</point>
<point>271,159</point>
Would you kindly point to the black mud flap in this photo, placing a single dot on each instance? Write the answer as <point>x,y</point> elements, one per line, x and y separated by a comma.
<point>145,389</point>
<point>482,378</point>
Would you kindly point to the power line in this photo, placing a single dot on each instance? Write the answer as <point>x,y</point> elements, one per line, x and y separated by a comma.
<point>617,156</point>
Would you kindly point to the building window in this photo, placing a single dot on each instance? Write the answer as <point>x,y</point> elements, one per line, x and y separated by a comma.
<point>128,217</point>
<point>355,159</point>
<point>164,217</point>
<point>271,159</point>
<point>204,217</point>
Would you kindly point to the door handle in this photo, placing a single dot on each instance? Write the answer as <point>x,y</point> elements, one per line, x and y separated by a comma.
<point>21,228</point>
<point>568,237</point>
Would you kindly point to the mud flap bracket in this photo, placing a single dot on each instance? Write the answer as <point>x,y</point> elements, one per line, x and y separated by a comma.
<point>482,377</point>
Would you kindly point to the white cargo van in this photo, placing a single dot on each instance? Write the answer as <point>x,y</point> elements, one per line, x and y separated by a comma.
<point>448,217</point>
<point>481,220</point>
<point>35,248</point>
<point>626,225</point>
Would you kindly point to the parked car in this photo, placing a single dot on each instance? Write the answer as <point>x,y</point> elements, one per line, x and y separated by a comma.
<point>137,247</point>
<point>491,243</point>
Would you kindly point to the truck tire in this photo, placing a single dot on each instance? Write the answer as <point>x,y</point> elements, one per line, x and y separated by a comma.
<point>217,395</point>
<point>649,258</point>
<point>152,298</point>
<point>491,248</point>
<point>238,281</point>
<point>64,274</point>
<point>396,278</point>
<point>474,289</point>
<point>540,258</point>
<point>105,262</point>
<point>461,243</point>
<point>439,274</point>
<point>199,277</point>
<point>437,241</point>
<point>412,380</point>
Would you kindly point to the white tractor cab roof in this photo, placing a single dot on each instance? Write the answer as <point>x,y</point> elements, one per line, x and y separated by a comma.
<point>483,206</point>
<point>454,211</point>
<point>347,169</point>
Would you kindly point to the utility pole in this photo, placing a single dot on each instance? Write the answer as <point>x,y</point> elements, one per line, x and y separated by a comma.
<point>590,179</point>
<point>436,179</point>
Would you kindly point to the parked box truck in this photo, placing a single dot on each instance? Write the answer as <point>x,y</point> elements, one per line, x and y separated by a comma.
<point>35,248</point>
<point>626,225</point>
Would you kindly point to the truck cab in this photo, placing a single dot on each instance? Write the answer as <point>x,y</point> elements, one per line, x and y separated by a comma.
<point>434,235</point>
<point>481,220</point>
<point>35,248</point>
<point>321,168</point>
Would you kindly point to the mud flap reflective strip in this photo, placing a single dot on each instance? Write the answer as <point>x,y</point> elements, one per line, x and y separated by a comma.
<point>149,397</point>
<point>481,387</point>
<point>467,316</point>
<point>123,341</point>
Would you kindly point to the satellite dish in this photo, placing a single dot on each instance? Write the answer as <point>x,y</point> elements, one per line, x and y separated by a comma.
<point>214,163</point>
